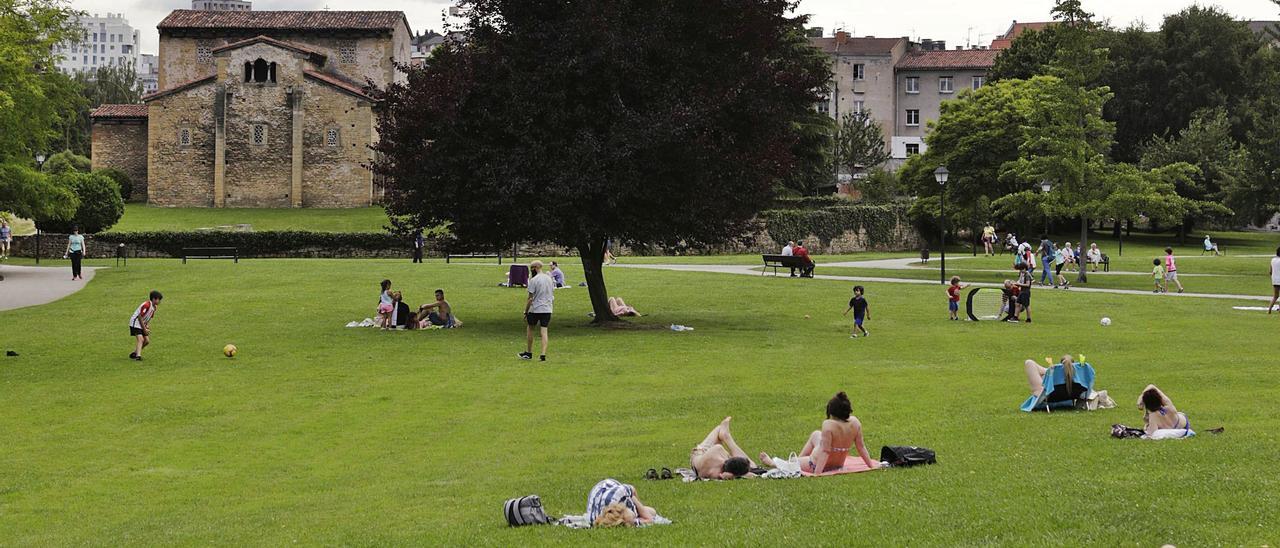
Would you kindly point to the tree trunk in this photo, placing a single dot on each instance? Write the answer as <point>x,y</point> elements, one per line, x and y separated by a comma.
<point>592,254</point>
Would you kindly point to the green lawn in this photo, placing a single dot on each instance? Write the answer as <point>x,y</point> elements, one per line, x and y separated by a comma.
<point>140,218</point>
<point>319,434</point>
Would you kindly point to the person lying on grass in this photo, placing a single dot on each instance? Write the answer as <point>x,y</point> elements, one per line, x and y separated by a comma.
<point>828,448</point>
<point>621,308</point>
<point>1035,373</point>
<point>719,457</point>
<point>612,503</point>
<point>1159,412</point>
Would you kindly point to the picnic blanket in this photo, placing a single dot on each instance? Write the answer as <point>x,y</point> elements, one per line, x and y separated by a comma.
<point>579,521</point>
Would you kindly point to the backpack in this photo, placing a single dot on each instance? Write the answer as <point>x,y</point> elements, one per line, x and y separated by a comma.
<point>525,511</point>
<point>907,455</point>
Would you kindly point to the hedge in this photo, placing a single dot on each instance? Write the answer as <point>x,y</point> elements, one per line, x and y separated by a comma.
<point>257,244</point>
<point>880,221</point>
<point>812,202</point>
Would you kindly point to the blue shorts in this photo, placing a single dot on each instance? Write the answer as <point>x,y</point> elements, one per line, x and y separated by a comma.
<point>857,320</point>
<point>953,305</point>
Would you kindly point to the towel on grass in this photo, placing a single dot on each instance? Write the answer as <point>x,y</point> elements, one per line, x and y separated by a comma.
<point>579,521</point>
<point>852,465</point>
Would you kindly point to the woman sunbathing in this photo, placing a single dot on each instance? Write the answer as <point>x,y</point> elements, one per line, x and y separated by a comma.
<point>719,457</point>
<point>1035,374</point>
<point>612,503</point>
<point>1159,412</point>
<point>621,308</point>
<point>828,448</point>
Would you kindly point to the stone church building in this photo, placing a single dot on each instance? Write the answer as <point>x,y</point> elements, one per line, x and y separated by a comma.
<point>257,109</point>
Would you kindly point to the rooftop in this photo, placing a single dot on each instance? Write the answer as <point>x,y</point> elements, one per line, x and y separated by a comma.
<point>284,20</point>
<point>272,41</point>
<point>1015,30</point>
<point>975,59</point>
<point>849,45</point>
<point>119,111</point>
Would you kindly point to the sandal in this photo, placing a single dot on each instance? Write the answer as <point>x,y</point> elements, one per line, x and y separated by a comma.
<point>651,474</point>
<point>666,474</point>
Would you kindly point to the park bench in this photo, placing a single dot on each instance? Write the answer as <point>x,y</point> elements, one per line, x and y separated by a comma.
<point>1105,262</point>
<point>780,261</point>
<point>452,257</point>
<point>210,253</point>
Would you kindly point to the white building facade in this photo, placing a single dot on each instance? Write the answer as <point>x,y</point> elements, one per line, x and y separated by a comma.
<point>221,5</point>
<point>108,41</point>
<point>149,73</point>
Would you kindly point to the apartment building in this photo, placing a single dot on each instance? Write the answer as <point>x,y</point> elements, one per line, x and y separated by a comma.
<point>863,76</point>
<point>108,41</point>
<point>149,73</point>
<point>924,80</point>
<point>221,5</point>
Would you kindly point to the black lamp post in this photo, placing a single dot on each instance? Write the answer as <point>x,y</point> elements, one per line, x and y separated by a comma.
<point>1045,186</point>
<point>941,175</point>
<point>39,166</point>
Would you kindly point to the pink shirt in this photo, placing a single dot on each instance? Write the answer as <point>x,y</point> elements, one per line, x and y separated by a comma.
<point>1169,265</point>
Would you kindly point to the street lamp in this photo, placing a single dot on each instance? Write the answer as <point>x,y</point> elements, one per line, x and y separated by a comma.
<point>1045,186</point>
<point>39,166</point>
<point>941,174</point>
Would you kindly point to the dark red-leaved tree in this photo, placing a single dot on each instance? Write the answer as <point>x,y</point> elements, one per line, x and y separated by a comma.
<point>578,121</point>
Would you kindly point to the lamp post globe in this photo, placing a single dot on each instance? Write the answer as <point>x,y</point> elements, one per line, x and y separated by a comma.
<point>941,175</point>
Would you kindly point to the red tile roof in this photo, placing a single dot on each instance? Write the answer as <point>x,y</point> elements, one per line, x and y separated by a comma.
<point>179,87</point>
<point>284,20</point>
<point>973,59</point>
<point>341,83</point>
<point>1015,30</point>
<point>856,46</point>
<point>119,111</point>
<point>272,41</point>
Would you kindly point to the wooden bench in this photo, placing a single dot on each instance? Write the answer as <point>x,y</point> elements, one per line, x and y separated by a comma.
<point>210,253</point>
<point>498,256</point>
<point>781,261</point>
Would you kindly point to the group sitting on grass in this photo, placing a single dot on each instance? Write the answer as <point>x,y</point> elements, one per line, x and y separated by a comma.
<point>393,313</point>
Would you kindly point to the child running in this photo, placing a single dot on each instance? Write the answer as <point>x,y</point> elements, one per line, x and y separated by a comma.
<point>861,312</point>
<point>140,324</point>
<point>953,296</point>
<point>1157,276</point>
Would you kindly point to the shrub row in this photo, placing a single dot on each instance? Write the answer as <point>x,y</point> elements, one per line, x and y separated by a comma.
<point>811,202</point>
<point>261,244</point>
<point>881,222</point>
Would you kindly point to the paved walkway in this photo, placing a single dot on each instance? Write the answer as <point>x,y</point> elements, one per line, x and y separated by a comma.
<point>751,270</point>
<point>32,285</point>
<point>909,263</point>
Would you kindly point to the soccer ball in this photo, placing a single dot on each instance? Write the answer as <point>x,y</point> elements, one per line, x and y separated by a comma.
<point>1106,321</point>
<point>806,316</point>
<point>229,350</point>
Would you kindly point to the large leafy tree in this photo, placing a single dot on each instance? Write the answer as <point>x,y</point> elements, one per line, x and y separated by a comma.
<point>1220,162</point>
<point>859,143</point>
<point>112,84</point>
<point>812,173</point>
<point>578,121</point>
<point>33,100</point>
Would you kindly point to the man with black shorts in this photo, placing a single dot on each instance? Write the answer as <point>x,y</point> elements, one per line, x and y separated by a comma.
<point>537,310</point>
<point>1024,295</point>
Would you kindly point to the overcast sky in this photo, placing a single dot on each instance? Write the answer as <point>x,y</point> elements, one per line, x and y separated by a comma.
<point>957,21</point>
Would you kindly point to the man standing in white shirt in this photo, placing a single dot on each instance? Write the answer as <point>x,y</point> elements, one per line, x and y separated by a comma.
<point>537,310</point>
<point>787,251</point>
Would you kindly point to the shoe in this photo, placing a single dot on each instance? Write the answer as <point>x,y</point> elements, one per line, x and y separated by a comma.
<point>542,358</point>
<point>133,355</point>
<point>1179,290</point>
<point>866,333</point>
<point>853,335</point>
<point>525,356</point>
<point>137,357</point>
<point>1028,320</point>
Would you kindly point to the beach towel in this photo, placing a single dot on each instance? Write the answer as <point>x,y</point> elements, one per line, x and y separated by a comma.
<point>1056,394</point>
<point>852,465</point>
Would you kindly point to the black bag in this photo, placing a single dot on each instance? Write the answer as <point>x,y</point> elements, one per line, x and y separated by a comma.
<point>525,511</point>
<point>907,455</point>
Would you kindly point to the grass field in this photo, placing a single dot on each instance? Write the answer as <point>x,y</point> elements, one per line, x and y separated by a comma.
<point>141,217</point>
<point>319,434</point>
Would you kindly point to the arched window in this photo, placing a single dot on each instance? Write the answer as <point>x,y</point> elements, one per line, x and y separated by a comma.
<point>261,71</point>
<point>248,71</point>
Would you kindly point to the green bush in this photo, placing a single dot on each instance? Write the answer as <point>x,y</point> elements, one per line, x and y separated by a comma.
<point>879,221</point>
<point>100,204</point>
<point>66,161</point>
<point>122,180</point>
<point>287,243</point>
<point>812,202</point>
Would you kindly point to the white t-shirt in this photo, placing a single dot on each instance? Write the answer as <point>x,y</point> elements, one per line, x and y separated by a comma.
<point>142,315</point>
<point>543,291</point>
<point>1275,271</point>
<point>786,251</point>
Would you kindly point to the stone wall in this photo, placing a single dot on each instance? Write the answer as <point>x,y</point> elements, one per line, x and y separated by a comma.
<point>122,144</point>
<point>336,176</point>
<point>181,175</point>
<point>53,245</point>
<point>259,175</point>
<point>179,61</point>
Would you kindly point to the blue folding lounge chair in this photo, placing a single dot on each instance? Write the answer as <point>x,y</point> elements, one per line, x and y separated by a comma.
<point>1057,394</point>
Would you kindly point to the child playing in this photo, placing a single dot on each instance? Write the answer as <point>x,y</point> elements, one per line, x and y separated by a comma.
<point>953,296</point>
<point>1157,275</point>
<point>385,305</point>
<point>858,304</point>
<point>140,324</point>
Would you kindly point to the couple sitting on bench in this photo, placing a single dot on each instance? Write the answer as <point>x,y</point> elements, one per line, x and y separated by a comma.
<point>719,457</point>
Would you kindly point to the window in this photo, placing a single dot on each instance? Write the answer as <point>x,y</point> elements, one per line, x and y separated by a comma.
<point>204,52</point>
<point>913,117</point>
<point>331,137</point>
<point>184,137</point>
<point>913,149</point>
<point>946,84</point>
<point>913,84</point>
<point>979,81</point>
<point>260,71</point>
<point>259,135</point>
<point>859,105</point>
<point>824,106</point>
<point>95,37</point>
<point>859,71</point>
<point>347,51</point>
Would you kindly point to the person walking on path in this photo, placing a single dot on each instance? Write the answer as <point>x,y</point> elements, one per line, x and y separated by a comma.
<point>537,309</point>
<point>1275,280</point>
<point>988,238</point>
<point>418,244</point>
<point>6,236</point>
<point>1171,269</point>
<point>75,251</point>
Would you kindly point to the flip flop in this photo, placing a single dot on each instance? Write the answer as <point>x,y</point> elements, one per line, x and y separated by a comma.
<point>651,474</point>
<point>666,474</point>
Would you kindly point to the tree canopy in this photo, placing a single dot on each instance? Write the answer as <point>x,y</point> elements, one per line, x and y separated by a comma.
<point>576,122</point>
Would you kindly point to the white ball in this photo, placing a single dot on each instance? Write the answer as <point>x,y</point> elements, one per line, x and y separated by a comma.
<point>1106,321</point>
